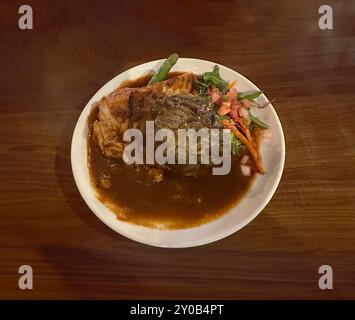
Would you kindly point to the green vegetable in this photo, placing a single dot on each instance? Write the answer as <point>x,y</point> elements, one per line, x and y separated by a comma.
<point>214,77</point>
<point>256,122</point>
<point>203,88</point>
<point>250,95</point>
<point>164,69</point>
<point>237,146</point>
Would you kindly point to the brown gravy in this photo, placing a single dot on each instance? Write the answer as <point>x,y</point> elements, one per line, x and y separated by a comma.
<point>175,202</point>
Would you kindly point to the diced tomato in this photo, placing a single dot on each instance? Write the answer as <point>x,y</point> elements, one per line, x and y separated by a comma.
<point>243,113</point>
<point>234,114</point>
<point>231,96</point>
<point>225,108</point>
<point>234,110</point>
<point>216,95</point>
<point>246,103</point>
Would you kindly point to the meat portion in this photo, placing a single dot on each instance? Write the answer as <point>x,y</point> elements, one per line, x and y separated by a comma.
<point>186,112</point>
<point>128,108</point>
<point>169,104</point>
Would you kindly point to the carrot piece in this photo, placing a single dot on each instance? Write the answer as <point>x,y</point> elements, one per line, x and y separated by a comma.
<point>232,84</point>
<point>245,130</point>
<point>254,153</point>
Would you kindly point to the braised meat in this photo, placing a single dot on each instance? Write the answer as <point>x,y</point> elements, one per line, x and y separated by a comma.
<point>123,108</point>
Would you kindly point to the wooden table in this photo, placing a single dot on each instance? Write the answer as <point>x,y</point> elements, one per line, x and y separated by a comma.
<point>48,75</point>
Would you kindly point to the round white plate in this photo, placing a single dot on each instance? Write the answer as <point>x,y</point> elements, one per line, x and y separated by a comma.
<point>260,193</point>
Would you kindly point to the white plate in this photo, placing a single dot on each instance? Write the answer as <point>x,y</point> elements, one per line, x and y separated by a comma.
<point>260,193</point>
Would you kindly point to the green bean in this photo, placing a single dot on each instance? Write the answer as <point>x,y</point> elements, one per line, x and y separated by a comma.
<point>250,95</point>
<point>257,122</point>
<point>164,69</point>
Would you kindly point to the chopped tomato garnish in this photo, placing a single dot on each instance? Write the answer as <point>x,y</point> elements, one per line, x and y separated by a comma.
<point>225,108</point>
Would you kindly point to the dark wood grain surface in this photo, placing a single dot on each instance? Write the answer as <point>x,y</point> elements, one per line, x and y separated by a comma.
<point>47,76</point>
